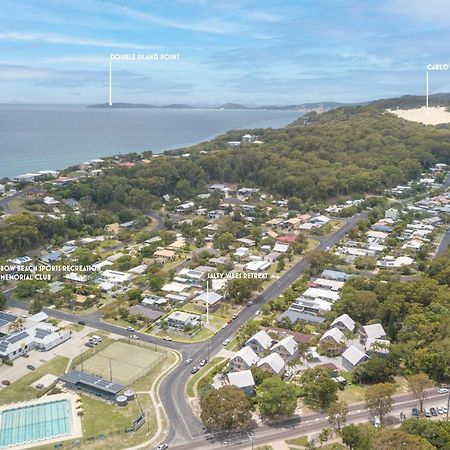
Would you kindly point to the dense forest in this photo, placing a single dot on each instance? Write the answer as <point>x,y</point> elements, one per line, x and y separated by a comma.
<point>348,151</point>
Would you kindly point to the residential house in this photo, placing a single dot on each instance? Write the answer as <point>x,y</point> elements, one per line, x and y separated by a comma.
<point>344,323</point>
<point>243,359</point>
<point>333,341</point>
<point>182,320</point>
<point>243,380</point>
<point>287,348</point>
<point>260,342</point>
<point>352,357</point>
<point>374,331</point>
<point>272,363</point>
<point>211,298</point>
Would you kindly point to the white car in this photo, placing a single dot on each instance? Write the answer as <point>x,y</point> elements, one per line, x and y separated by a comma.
<point>442,391</point>
<point>225,342</point>
<point>134,336</point>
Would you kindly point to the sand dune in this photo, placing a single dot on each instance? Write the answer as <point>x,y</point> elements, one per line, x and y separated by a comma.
<point>433,116</point>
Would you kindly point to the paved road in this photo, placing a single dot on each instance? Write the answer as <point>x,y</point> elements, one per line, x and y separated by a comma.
<point>184,425</point>
<point>445,242</point>
<point>4,201</point>
<point>308,425</point>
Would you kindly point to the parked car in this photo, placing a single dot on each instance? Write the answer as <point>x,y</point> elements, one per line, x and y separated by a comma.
<point>234,316</point>
<point>433,412</point>
<point>6,382</point>
<point>25,355</point>
<point>377,421</point>
<point>167,338</point>
<point>249,303</point>
<point>130,328</point>
<point>415,412</point>
<point>226,342</point>
<point>81,322</point>
<point>427,413</point>
<point>442,391</point>
<point>257,313</point>
<point>195,369</point>
<point>30,367</point>
<point>189,360</point>
<point>134,336</point>
<point>229,321</point>
<point>445,409</point>
<point>440,410</point>
<point>162,446</point>
<point>202,362</point>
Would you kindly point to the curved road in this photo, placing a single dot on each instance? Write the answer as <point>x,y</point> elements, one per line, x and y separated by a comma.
<point>184,425</point>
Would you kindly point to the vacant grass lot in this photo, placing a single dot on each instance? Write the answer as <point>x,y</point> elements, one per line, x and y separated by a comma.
<point>125,362</point>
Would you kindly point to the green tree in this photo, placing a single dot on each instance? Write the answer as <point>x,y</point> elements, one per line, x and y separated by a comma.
<point>379,399</point>
<point>318,389</point>
<point>225,409</point>
<point>418,385</point>
<point>337,414</point>
<point>276,397</point>
<point>389,439</point>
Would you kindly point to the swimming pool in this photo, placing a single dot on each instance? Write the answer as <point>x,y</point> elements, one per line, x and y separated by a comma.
<point>35,422</point>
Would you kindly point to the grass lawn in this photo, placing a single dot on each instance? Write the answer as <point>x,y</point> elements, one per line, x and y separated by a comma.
<point>194,379</point>
<point>352,392</point>
<point>21,390</point>
<point>75,327</point>
<point>264,447</point>
<point>335,446</point>
<point>301,440</point>
<point>126,362</point>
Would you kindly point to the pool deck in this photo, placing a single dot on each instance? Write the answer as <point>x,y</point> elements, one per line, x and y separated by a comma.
<point>75,423</point>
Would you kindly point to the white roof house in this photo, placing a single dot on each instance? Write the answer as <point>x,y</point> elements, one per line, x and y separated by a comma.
<point>353,356</point>
<point>274,362</point>
<point>342,321</point>
<point>174,287</point>
<point>324,294</point>
<point>116,277</point>
<point>334,333</point>
<point>241,252</point>
<point>261,339</point>
<point>257,266</point>
<point>328,284</point>
<point>209,297</point>
<point>380,346</point>
<point>247,355</point>
<point>281,248</point>
<point>288,343</point>
<point>374,331</point>
<point>242,379</point>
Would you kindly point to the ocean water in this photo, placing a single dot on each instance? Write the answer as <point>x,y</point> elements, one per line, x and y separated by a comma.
<point>40,137</point>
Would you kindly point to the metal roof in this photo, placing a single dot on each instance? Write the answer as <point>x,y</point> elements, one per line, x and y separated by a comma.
<point>80,378</point>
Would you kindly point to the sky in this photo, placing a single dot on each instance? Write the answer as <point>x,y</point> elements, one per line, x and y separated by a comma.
<point>256,52</point>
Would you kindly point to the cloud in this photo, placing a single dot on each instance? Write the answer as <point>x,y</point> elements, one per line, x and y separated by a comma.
<point>11,72</point>
<point>67,40</point>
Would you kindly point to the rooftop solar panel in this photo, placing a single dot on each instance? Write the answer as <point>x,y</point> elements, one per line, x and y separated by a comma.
<point>17,337</point>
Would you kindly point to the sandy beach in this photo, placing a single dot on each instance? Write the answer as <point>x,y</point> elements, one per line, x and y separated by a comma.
<point>433,116</point>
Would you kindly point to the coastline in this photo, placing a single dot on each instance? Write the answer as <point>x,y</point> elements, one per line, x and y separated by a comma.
<point>79,134</point>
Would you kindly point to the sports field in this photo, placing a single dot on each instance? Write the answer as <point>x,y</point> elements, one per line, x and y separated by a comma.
<point>127,362</point>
